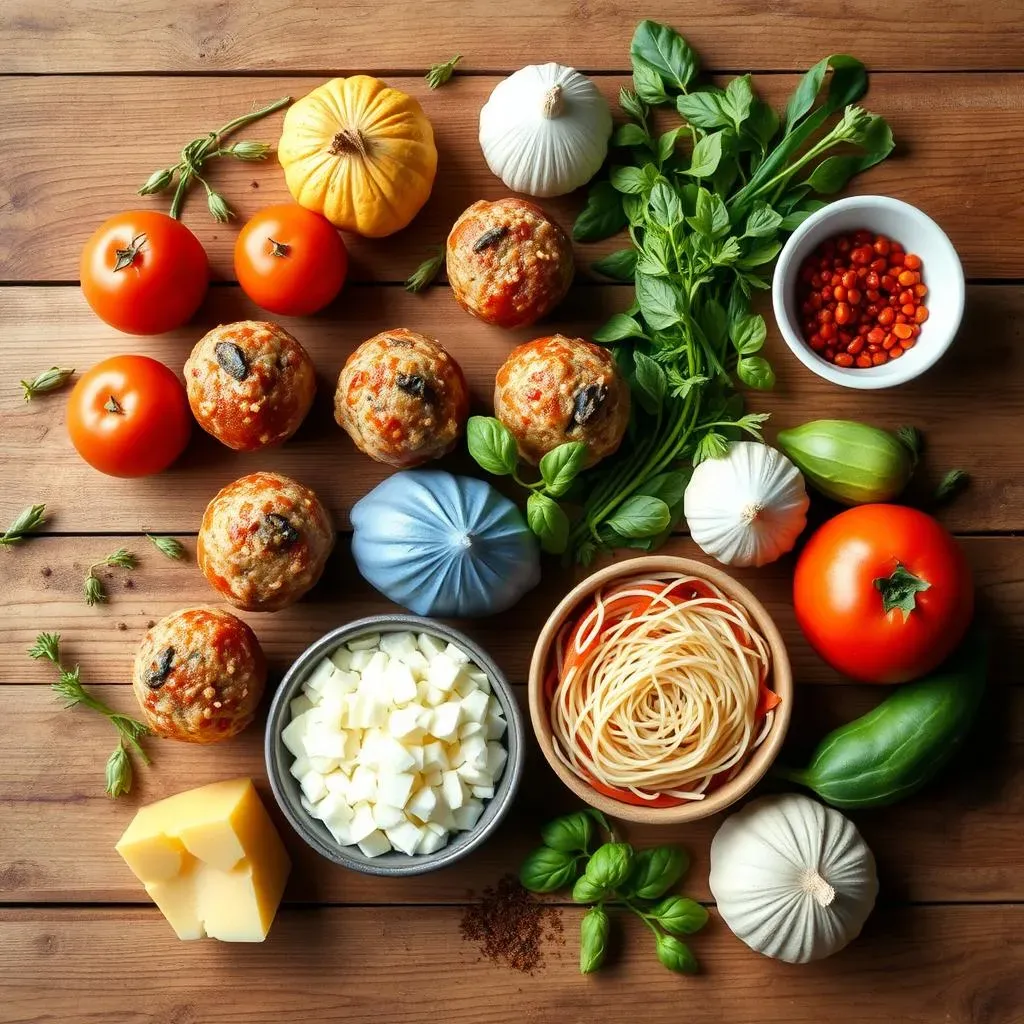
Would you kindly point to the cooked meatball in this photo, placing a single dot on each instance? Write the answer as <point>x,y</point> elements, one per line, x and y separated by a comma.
<point>264,541</point>
<point>199,675</point>
<point>560,389</point>
<point>508,263</point>
<point>402,399</point>
<point>250,384</point>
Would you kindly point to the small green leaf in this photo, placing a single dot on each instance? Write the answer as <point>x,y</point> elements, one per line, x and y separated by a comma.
<point>656,870</point>
<point>667,143</point>
<point>602,216</point>
<point>739,95</point>
<point>704,108</point>
<point>491,445</point>
<point>748,335</point>
<point>168,546</point>
<point>659,301</point>
<point>711,446</point>
<point>632,105</point>
<point>666,52</point>
<point>664,205</point>
<point>711,217</point>
<point>547,519</point>
<point>756,372</point>
<point>628,180</point>
<point>640,517</point>
<point>675,955</point>
<point>899,590</point>
<point>706,156</point>
<point>618,328</point>
<point>950,486</point>
<point>649,85</point>
<point>762,124</point>
<point>651,381</point>
<point>610,865</point>
<point>588,891</point>
<point>547,870</point>
<point>571,833</point>
<point>630,135</point>
<point>619,266</point>
<point>594,929</point>
<point>559,467</point>
<point>762,221</point>
<point>679,915</point>
<point>762,251</point>
<point>834,172</point>
<point>425,273</point>
<point>441,73</point>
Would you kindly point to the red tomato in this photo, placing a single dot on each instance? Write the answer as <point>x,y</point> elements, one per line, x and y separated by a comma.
<point>129,416</point>
<point>290,260</point>
<point>883,593</point>
<point>144,272</point>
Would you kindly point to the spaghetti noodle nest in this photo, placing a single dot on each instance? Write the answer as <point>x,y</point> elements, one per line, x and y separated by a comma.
<point>659,688</point>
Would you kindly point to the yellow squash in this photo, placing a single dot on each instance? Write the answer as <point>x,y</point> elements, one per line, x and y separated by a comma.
<point>360,153</point>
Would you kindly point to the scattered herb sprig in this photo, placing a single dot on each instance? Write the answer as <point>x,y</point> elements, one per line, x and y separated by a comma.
<point>706,205</point>
<point>29,519</point>
<point>425,273</point>
<point>169,546</point>
<point>49,380</point>
<point>613,874</point>
<point>441,73</point>
<point>94,590</point>
<point>130,731</point>
<point>206,147</point>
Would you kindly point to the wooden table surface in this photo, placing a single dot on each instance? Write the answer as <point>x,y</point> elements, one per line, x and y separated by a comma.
<point>93,97</point>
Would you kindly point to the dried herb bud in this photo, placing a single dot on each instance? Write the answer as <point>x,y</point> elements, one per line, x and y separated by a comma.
<point>490,238</point>
<point>586,403</point>
<point>413,384</point>
<point>280,531</point>
<point>157,676</point>
<point>232,360</point>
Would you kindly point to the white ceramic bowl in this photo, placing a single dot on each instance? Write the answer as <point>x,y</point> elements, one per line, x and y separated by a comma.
<point>941,272</point>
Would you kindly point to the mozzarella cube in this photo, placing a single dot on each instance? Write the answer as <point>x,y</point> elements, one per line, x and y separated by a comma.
<point>479,676</point>
<point>293,735</point>
<point>468,815</point>
<point>363,786</point>
<point>339,684</point>
<point>374,673</point>
<point>393,757</point>
<point>395,789</point>
<point>307,806</point>
<point>366,642</point>
<point>431,646</point>
<point>332,712</point>
<point>299,767</point>
<point>497,755</point>
<point>433,778</point>
<point>435,697</point>
<point>367,710</point>
<point>417,755</point>
<point>319,677</point>
<point>424,716</point>
<point>472,776</point>
<point>454,789</point>
<point>405,837</point>
<point>417,663</point>
<point>444,722</point>
<point>474,751</point>
<point>313,787</point>
<point>300,705</point>
<point>359,660</point>
<point>457,654</point>
<point>401,683</point>
<point>337,782</point>
<point>375,844</point>
<point>334,811</point>
<point>387,816</point>
<point>342,659</point>
<point>432,841</point>
<point>323,765</point>
<point>434,755</point>
<point>470,729</point>
<point>495,726</point>
<point>482,792</point>
<point>475,706</point>
<point>396,644</point>
<point>443,816</point>
<point>443,673</point>
<point>421,804</point>
<point>323,741</point>
<point>404,723</point>
<point>362,823</point>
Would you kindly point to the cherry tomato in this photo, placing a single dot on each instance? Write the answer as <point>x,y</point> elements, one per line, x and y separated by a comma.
<point>129,416</point>
<point>290,260</point>
<point>144,272</point>
<point>883,593</point>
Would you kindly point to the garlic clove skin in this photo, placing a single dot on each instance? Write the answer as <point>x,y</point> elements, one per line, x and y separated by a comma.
<point>545,129</point>
<point>748,507</point>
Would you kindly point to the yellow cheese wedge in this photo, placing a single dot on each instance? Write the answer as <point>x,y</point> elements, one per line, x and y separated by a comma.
<point>211,860</point>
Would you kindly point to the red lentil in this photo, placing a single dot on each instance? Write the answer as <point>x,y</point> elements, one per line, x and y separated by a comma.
<point>857,289</point>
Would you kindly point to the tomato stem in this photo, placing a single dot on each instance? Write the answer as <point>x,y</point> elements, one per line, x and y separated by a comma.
<point>899,590</point>
<point>278,248</point>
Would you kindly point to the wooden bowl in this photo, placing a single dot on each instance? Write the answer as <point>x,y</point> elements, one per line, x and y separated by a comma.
<point>758,762</point>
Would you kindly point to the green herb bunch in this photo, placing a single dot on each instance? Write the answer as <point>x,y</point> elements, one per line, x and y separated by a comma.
<point>706,204</point>
<point>613,874</point>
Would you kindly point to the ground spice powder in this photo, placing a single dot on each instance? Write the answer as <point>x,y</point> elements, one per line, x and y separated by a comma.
<point>511,927</point>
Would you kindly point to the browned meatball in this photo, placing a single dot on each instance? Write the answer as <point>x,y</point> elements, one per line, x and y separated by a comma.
<point>264,541</point>
<point>560,389</point>
<point>250,384</point>
<point>199,675</point>
<point>402,399</point>
<point>508,263</point>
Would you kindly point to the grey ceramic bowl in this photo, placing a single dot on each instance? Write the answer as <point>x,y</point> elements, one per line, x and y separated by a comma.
<point>286,787</point>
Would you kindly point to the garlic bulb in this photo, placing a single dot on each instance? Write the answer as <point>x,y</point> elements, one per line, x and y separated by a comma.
<point>793,879</point>
<point>746,508</point>
<point>544,131</point>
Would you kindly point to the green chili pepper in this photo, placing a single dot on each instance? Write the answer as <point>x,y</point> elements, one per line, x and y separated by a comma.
<point>892,751</point>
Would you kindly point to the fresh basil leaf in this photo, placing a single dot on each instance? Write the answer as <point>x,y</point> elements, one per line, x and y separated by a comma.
<point>679,915</point>
<point>667,143</point>
<point>748,335</point>
<point>659,301</point>
<point>762,123</point>
<point>588,891</point>
<point>610,865</point>
<point>762,251</point>
<point>651,266</point>
<point>805,93</point>
<point>762,221</point>
<point>739,95</point>
<point>727,252</point>
<point>572,833</point>
<point>793,220</point>
<point>749,281</point>
<point>491,445</point>
<point>664,204</point>
<point>630,135</point>
<point>656,870</point>
<point>633,105</point>
<point>675,955</point>
<point>704,108</point>
<point>651,382</point>
<point>547,519</point>
<point>669,487</point>
<point>706,156</point>
<point>619,266</point>
<point>618,328</point>
<point>664,50</point>
<point>719,215</point>
<point>834,172</point>
<point>711,446</point>
<point>634,206</point>
<point>547,870</point>
<point>594,930</point>
<point>713,322</point>
<point>558,469</point>
<point>628,180</point>
<point>756,372</point>
<point>602,216</point>
<point>649,85</point>
<point>641,516</point>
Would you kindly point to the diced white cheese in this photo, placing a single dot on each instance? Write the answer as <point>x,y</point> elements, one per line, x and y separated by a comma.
<point>435,697</point>
<point>496,726</point>
<point>319,677</point>
<point>332,712</point>
<point>474,751</point>
<point>471,729</point>
<point>394,757</point>
<point>431,646</point>
<point>422,803</point>
<point>433,778</point>
<point>480,678</point>
<point>397,644</point>
<point>497,755</point>
<point>299,767</point>
<point>455,790</point>
<point>363,786</point>
<point>395,789</point>
<point>443,673</point>
<point>323,765</point>
<point>432,841</point>
<point>387,816</point>
<point>472,776</point>
<point>293,735</point>
<point>400,683</point>
<point>434,755</point>
<point>336,782</point>
<point>475,706</point>
<point>367,710</point>
<point>457,654</point>
<point>443,816</point>
<point>374,674</point>
<point>483,792</point>
<point>300,705</point>
<point>313,787</point>
<point>342,658</point>
<point>323,741</point>
<point>405,837</point>
<point>417,755</point>
<point>339,684</point>
<point>404,722</point>
<point>362,823</point>
<point>334,810</point>
<point>444,722</point>
<point>359,660</point>
<point>467,816</point>
<point>417,663</point>
<point>309,808</point>
<point>375,844</point>
<point>367,642</point>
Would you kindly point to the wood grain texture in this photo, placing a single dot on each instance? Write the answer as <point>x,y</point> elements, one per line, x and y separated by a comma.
<point>43,590</point>
<point>955,841</point>
<point>949,128</point>
<point>968,407</point>
<point>917,965</point>
<point>274,35</point>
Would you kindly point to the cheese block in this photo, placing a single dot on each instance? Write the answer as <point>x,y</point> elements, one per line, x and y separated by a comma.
<point>211,860</point>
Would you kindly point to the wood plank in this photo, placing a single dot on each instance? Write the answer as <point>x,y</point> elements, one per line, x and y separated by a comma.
<point>233,36</point>
<point>968,407</point>
<point>118,131</point>
<point>43,590</point>
<point>960,965</point>
<point>957,840</point>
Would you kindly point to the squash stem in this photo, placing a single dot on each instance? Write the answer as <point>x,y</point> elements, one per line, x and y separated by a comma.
<point>816,886</point>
